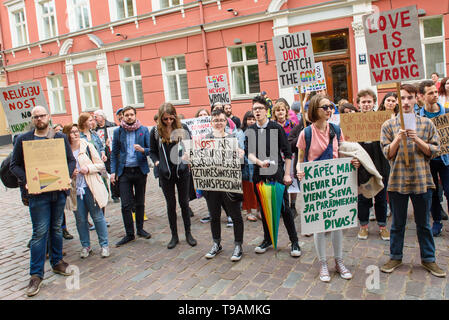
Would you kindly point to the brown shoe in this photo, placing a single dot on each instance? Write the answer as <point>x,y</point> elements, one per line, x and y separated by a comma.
<point>61,268</point>
<point>34,286</point>
<point>390,266</point>
<point>434,269</point>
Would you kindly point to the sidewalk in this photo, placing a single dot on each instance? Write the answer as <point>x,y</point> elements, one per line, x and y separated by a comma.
<point>146,269</point>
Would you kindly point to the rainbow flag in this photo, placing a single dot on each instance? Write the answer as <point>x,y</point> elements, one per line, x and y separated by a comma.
<point>46,179</point>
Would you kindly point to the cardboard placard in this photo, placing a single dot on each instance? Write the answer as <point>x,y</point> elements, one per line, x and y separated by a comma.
<point>295,62</point>
<point>199,127</point>
<point>215,164</point>
<point>363,126</point>
<point>394,46</point>
<point>217,88</point>
<point>17,102</point>
<point>46,165</point>
<point>329,190</point>
<point>442,125</point>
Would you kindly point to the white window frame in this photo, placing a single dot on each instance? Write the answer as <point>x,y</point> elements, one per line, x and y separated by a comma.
<point>133,78</point>
<point>71,10</point>
<point>245,63</point>
<point>113,8</point>
<point>40,19</point>
<point>93,89</point>
<point>437,39</point>
<point>13,7</point>
<point>59,92</point>
<point>157,5</point>
<point>177,72</point>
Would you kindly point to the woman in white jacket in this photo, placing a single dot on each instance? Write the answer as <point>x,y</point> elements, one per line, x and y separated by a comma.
<point>88,193</point>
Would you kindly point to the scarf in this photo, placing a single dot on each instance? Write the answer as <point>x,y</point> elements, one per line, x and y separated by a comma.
<point>130,128</point>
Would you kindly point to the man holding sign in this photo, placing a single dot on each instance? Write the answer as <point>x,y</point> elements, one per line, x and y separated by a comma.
<point>413,182</point>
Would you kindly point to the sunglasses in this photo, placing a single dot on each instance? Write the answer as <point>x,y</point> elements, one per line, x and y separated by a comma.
<point>169,118</point>
<point>327,107</point>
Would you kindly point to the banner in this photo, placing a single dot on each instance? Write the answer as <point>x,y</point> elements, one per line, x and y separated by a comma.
<point>442,124</point>
<point>17,102</point>
<point>46,165</point>
<point>394,46</point>
<point>330,194</point>
<point>295,62</point>
<point>215,164</point>
<point>363,126</point>
<point>217,88</point>
<point>320,84</point>
<point>199,127</point>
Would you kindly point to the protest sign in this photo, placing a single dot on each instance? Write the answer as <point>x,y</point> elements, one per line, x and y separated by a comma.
<point>409,121</point>
<point>320,83</point>
<point>329,190</point>
<point>335,119</point>
<point>217,88</point>
<point>442,125</point>
<point>363,126</point>
<point>199,127</point>
<point>17,102</point>
<point>295,62</point>
<point>46,165</point>
<point>394,46</point>
<point>215,164</point>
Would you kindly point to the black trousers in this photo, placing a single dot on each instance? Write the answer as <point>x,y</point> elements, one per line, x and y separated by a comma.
<point>168,188</point>
<point>132,193</point>
<point>287,216</point>
<point>215,200</point>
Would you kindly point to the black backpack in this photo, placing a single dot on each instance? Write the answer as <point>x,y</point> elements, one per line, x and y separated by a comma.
<point>7,177</point>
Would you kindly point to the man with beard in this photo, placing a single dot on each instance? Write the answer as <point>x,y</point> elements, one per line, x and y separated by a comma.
<point>47,208</point>
<point>228,111</point>
<point>129,168</point>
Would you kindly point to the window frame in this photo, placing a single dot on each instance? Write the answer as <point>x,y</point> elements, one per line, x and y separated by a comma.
<point>73,27</point>
<point>59,90</point>
<point>82,85</point>
<point>40,19</point>
<point>177,72</point>
<point>113,10</point>
<point>432,40</point>
<point>133,78</point>
<point>157,4</point>
<point>245,64</point>
<point>12,9</point>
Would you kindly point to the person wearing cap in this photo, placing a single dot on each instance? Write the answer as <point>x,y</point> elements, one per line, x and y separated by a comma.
<point>295,108</point>
<point>119,114</point>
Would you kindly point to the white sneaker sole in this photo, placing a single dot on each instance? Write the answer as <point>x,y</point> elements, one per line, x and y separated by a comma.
<point>295,254</point>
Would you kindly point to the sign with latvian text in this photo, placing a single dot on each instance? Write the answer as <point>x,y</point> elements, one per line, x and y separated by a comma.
<point>363,126</point>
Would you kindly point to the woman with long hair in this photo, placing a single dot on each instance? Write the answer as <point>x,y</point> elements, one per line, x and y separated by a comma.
<point>166,152</point>
<point>390,102</point>
<point>443,92</point>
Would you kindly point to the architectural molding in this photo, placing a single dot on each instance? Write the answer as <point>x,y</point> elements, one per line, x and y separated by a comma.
<point>275,5</point>
<point>65,47</point>
<point>96,40</point>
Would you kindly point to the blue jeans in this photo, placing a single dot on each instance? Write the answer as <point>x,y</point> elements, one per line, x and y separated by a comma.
<point>46,211</point>
<point>437,167</point>
<point>421,206</point>
<point>83,206</point>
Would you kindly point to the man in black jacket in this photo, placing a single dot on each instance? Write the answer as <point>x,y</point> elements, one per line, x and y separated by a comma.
<point>46,209</point>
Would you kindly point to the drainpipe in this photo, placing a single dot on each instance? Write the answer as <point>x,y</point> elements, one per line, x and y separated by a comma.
<point>2,53</point>
<point>203,36</point>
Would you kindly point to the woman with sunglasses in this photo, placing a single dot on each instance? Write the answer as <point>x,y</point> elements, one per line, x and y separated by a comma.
<point>323,147</point>
<point>166,151</point>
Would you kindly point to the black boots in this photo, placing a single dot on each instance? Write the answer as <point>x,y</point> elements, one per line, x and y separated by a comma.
<point>190,239</point>
<point>175,240</point>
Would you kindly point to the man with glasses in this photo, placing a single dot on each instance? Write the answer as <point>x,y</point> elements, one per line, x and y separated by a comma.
<point>264,142</point>
<point>46,209</point>
<point>129,168</point>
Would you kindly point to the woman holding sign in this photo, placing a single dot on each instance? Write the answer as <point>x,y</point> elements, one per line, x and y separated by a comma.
<point>320,141</point>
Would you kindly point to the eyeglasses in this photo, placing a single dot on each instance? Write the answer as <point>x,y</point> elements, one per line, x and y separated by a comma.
<point>39,116</point>
<point>327,107</point>
<point>169,118</point>
<point>74,132</point>
<point>219,120</point>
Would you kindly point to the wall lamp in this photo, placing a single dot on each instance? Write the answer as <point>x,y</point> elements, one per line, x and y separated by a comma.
<point>233,11</point>
<point>127,59</point>
<point>124,36</point>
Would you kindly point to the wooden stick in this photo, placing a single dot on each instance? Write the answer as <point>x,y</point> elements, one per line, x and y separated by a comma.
<point>303,112</point>
<point>401,115</point>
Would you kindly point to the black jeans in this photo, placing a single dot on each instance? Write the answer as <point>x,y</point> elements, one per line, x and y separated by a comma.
<point>287,216</point>
<point>132,193</point>
<point>380,207</point>
<point>438,168</point>
<point>168,188</point>
<point>216,199</point>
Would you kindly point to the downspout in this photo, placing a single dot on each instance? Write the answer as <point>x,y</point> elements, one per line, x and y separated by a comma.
<point>203,36</point>
<point>2,53</point>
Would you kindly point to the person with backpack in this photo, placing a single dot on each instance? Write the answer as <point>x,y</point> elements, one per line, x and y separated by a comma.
<point>320,141</point>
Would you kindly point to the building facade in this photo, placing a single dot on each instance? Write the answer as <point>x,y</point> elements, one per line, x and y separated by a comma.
<point>105,54</point>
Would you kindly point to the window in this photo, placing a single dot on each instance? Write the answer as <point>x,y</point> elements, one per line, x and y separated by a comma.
<point>432,37</point>
<point>79,14</point>
<point>169,3</point>
<point>175,79</point>
<point>88,90</point>
<point>56,95</point>
<point>244,70</point>
<point>121,9</point>
<point>46,18</point>
<point>18,24</point>
<point>132,92</point>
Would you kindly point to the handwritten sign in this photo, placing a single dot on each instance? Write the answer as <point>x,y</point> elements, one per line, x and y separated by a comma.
<point>329,190</point>
<point>320,84</point>
<point>199,127</point>
<point>295,62</point>
<point>394,46</point>
<point>46,165</point>
<point>215,164</point>
<point>17,102</point>
<point>442,125</point>
<point>363,126</point>
<point>217,88</point>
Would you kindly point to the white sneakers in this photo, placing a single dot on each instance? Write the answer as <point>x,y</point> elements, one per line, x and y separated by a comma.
<point>86,251</point>
<point>105,252</point>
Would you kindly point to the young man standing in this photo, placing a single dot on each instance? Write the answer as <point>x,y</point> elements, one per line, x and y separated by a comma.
<point>228,111</point>
<point>439,166</point>
<point>47,208</point>
<point>414,182</point>
<point>264,142</point>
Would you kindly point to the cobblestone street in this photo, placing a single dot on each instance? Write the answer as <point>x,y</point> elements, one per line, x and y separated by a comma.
<point>146,269</point>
